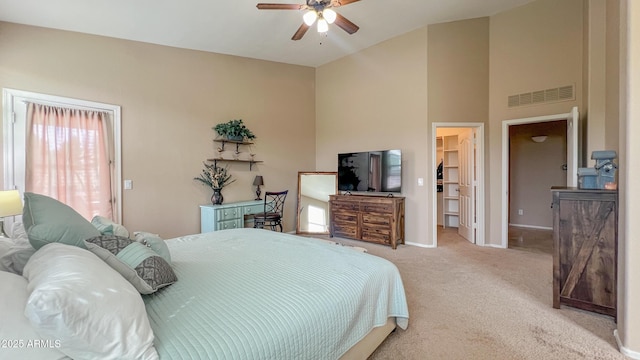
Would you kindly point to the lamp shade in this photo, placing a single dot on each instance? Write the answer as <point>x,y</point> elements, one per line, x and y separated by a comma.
<point>322,26</point>
<point>310,17</point>
<point>258,180</point>
<point>329,15</point>
<point>10,203</point>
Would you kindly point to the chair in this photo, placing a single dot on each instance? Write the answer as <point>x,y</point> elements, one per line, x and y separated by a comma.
<point>273,210</point>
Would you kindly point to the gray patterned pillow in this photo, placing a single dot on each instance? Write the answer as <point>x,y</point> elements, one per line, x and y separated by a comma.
<point>140,265</point>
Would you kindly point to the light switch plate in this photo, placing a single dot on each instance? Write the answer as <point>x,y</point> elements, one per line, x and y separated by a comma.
<point>128,184</point>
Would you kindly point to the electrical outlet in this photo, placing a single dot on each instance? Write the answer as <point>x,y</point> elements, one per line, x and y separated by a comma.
<point>128,184</point>
<point>520,212</point>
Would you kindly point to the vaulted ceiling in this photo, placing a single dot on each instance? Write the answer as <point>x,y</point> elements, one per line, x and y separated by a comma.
<point>237,27</point>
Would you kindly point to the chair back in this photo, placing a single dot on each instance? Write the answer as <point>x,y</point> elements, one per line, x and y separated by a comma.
<point>274,201</point>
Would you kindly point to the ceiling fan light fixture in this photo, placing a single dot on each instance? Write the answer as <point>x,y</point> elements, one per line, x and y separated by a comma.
<point>329,15</point>
<point>322,25</point>
<point>310,17</point>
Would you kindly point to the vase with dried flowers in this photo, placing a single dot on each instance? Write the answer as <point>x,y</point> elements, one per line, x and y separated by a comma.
<point>216,178</point>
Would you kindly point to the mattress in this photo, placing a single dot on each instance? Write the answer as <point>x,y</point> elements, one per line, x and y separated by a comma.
<point>259,294</point>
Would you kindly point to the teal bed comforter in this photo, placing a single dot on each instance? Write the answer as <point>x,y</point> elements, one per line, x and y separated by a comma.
<point>258,294</point>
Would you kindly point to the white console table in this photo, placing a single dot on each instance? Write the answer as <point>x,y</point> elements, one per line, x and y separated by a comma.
<point>229,216</point>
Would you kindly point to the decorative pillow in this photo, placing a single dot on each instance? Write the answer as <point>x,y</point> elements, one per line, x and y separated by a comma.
<point>139,264</point>
<point>78,300</point>
<point>20,339</point>
<point>47,220</point>
<point>155,242</point>
<point>108,227</point>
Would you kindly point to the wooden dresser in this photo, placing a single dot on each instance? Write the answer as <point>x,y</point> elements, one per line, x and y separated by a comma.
<point>585,241</point>
<point>377,219</point>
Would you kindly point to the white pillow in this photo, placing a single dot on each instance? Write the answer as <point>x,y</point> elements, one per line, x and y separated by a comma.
<point>16,258</point>
<point>5,245</point>
<point>20,340</point>
<point>19,252</point>
<point>78,299</point>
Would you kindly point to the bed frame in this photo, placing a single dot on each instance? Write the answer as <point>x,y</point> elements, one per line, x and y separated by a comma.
<point>365,347</point>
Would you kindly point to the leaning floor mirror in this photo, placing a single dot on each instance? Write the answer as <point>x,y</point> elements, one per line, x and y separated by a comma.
<point>314,189</point>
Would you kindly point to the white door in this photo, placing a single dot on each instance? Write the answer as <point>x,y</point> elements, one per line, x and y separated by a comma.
<point>572,148</point>
<point>466,152</point>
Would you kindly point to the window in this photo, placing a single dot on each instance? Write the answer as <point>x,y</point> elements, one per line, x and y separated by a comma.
<point>66,148</point>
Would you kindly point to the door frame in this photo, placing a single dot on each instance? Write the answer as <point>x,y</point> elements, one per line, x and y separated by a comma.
<point>480,168</point>
<point>573,151</point>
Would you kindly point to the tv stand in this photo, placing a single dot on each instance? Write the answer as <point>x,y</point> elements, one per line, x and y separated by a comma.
<point>377,219</point>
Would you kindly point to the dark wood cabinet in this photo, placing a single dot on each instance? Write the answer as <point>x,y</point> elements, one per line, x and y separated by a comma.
<point>585,240</point>
<point>375,219</point>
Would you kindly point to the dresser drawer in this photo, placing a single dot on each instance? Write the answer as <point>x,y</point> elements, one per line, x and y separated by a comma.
<point>345,206</point>
<point>230,224</point>
<point>376,219</point>
<point>378,208</point>
<point>341,217</point>
<point>253,209</point>
<point>229,213</point>
<point>344,230</point>
<point>380,235</point>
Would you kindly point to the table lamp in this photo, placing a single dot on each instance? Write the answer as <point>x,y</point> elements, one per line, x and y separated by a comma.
<point>10,205</point>
<point>257,182</point>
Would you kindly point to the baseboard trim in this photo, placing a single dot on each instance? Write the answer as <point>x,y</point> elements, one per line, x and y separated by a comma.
<point>420,245</point>
<point>531,226</point>
<point>627,352</point>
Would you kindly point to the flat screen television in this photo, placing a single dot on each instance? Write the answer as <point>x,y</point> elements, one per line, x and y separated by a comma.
<point>370,171</point>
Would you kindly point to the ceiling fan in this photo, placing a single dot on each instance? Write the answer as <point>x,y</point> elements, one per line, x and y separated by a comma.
<point>319,10</point>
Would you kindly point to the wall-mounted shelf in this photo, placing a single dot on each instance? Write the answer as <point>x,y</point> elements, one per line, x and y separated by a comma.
<point>251,162</point>
<point>238,143</point>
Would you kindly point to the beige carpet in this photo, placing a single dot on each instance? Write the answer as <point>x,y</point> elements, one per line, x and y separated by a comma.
<point>470,302</point>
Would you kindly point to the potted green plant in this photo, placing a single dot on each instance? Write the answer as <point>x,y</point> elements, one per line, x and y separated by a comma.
<point>234,130</point>
<point>216,178</point>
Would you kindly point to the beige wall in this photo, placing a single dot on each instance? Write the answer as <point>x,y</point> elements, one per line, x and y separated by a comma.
<point>534,47</point>
<point>377,100</point>
<point>170,99</point>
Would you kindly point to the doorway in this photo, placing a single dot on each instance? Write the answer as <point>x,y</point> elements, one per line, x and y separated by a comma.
<point>572,119</point>
<point>459,153</point>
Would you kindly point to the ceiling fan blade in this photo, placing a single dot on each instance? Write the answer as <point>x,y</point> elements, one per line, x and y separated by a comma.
<point>345,24</point>
<point>301,31</point>
<point>267,6</point>
<point>336,3</point>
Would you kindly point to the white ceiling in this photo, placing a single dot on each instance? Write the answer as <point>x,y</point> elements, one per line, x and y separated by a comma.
<point>237,27</point>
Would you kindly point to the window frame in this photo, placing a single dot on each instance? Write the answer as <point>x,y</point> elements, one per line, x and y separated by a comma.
<point>9,99</point>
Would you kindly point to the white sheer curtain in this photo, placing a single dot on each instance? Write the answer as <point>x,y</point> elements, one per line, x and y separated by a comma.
<point>68,158</point>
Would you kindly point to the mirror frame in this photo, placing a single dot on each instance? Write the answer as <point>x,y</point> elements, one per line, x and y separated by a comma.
<point>299,208</point>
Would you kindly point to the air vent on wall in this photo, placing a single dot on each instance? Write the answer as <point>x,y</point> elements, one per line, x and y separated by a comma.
<point>562,93</point>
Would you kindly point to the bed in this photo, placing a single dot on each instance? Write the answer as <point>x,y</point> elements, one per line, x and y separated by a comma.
<point>258,294</point>
<point>233,294</point>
